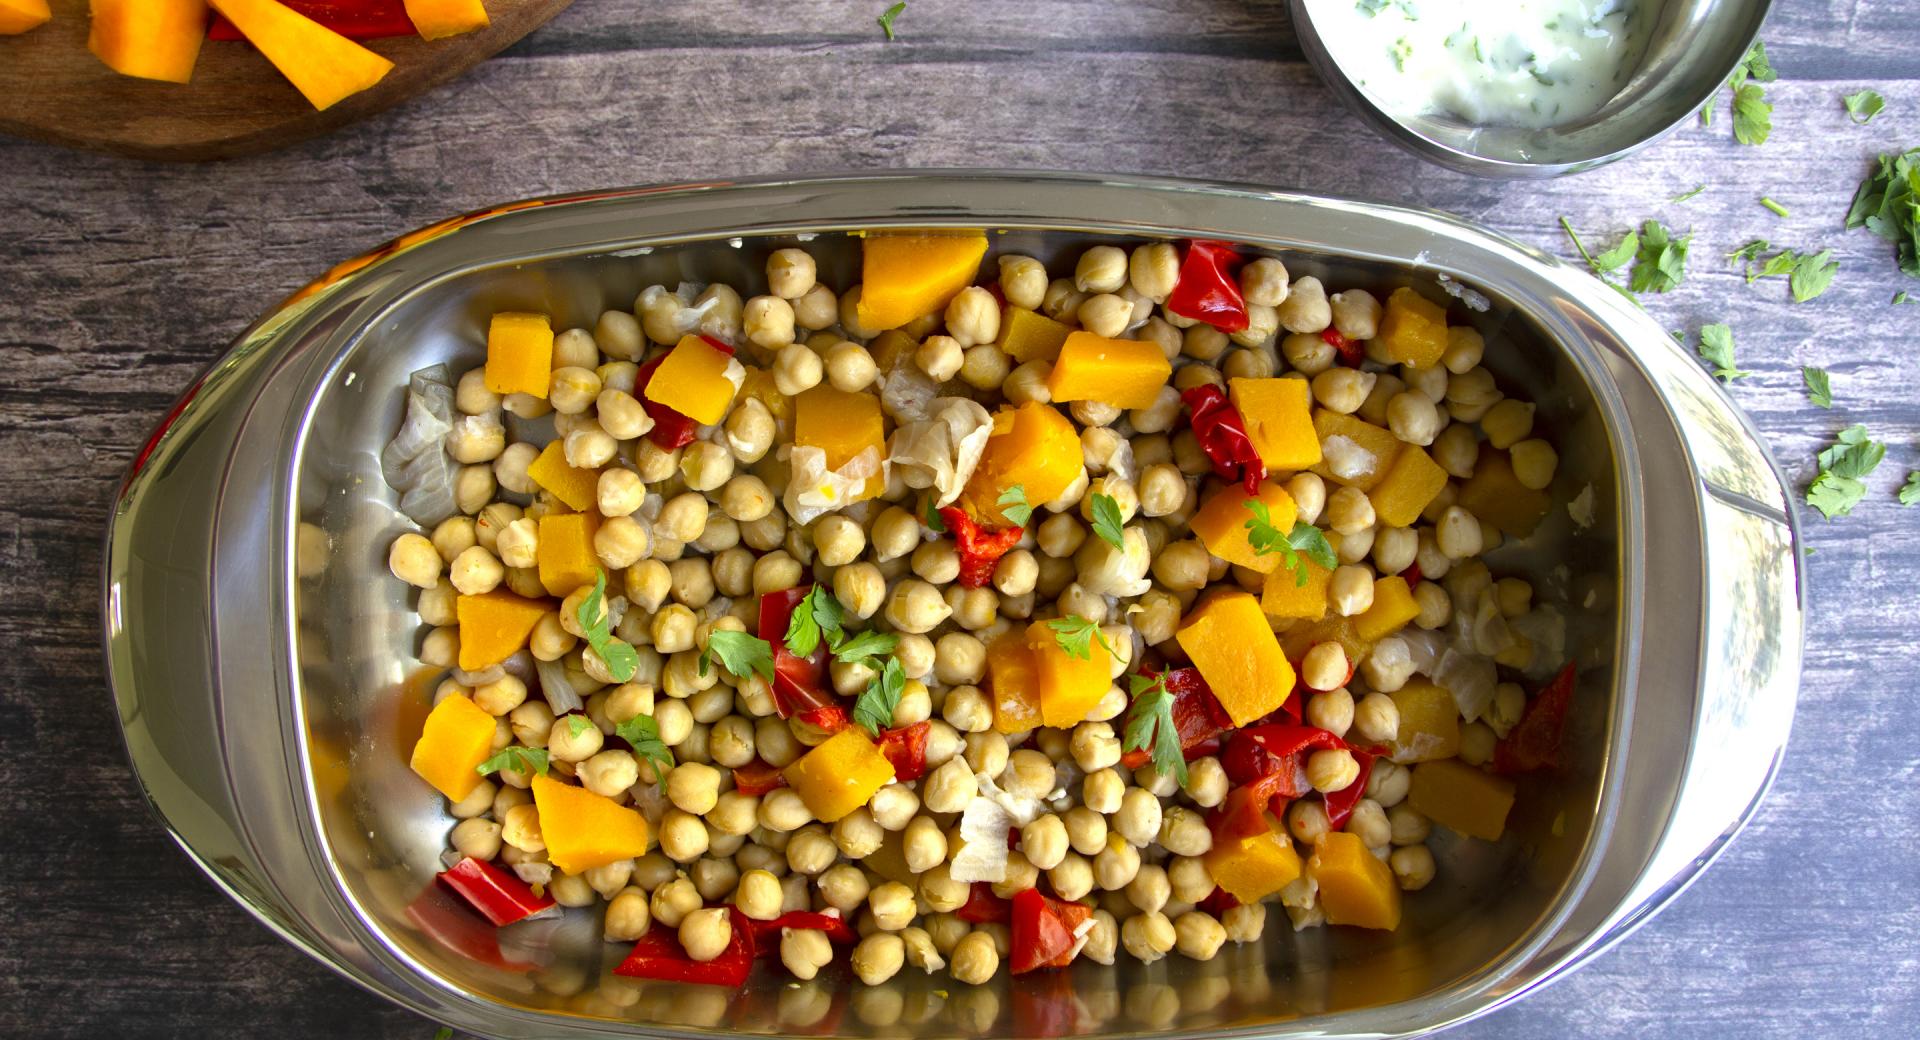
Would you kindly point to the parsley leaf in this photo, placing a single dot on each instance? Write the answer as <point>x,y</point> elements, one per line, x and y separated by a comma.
<point>1887,203</point>
<point>1819,387</point>
<point>930,515</point>
<point>643,733</point>
<point>517,758</point>
<point>1617,257</point>
<point>1308,541</point>
<point>1902,297</point>
<point>887,17</point>
<point>739,653</point>
<point>1013,505</point>
<point>1107,523</point>
<point>1812,275</point>
<point>621,660</point>
<point>1843,469</point>
<point>1661,263</point>
<point>1752,114</point>
<point>577,724</point>
<point>1076,635</point>
<point>874,710</point>
<point>864,645</point>
<point>1304,539</point>
<point>1910,492</point>
<point>1150,726</point>
<point>817,614</point>
<point>443,1033</point>
<point>1833,495</point>
<point>1716,349</point>
<point>1863,106</point>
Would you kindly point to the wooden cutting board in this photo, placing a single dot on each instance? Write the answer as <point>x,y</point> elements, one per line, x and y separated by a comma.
<point>53,89</point>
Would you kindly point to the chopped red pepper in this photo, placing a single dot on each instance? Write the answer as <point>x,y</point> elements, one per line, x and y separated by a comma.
<point>798,682</point>
<point>1197,716</point>
<point>659,955</point>
<point>982,905</point>
<point>1534,742</point>
<point>1412,574</point>
<point>354,19</point>
<point>1046,1006</point>
<point>1340,803</point>
<point>980,548</point>
<point>1223,436</point>
<point>1039,936</point>
<point>1268,763</point>
<point>827,718</point>
<point>670,428</point>
<point>757,778</point>
<point>1218,902</point>
<point>501,897</point>
<point>906,748</point>
<point>766,934</point>
<point>1351,353</point>
<point>1207,290</point>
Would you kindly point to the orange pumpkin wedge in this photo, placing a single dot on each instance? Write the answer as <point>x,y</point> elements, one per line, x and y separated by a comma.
<point>149,39</point>
<point>324,65</point>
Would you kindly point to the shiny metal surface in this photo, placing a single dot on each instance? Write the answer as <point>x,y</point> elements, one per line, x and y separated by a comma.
<point>1690,52</point>
<point>263,660</point>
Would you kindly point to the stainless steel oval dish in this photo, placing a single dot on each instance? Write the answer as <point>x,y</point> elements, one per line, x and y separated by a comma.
<point>1690,51</point>
<point>263,659</point>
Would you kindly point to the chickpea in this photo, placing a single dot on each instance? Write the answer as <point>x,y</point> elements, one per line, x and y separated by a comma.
<point>878,958</point>
<point>414,560</point>
<point>705,933</point>
<point>1138,820</point>
<point>1152,270</point>
<point>950,787</point>
<point>805,951</point>
<point>477,838</point>
<point>1198,936</point>
<point>693,787</point>
<point>1101,269</point>
<point>975,958</point>
<point>782,810</point>
<point>936,562</point>
<point>1183,566</point>
<point>850,367</point>
<point>985,367</point>
<point>1343,389</point>
<point>1095,746</point>
<point>1192,881</point>
<point>1103,792</point>
<point>1306,308</point>
<point>1457,534</point>
<point>797,369</point>
<point>609,772</point>
<point>476,438</point>
<point>1148,936</point>
<point>986,753</point>
<point>1507,423</point>
<point>1534,462</point>
<point>891,905</point>
<point>916,607</point>
<point>1368,822</point>
<point>1412,867</point>
<point>1264,282</point>
<point>1332,770</point>
<point>1023,281</point>
<point>837,540</point>
<point>1149,890</point>
<point>520,828</point>
<point>1333,710</point>
<point>758,895</point>
<point>973,317</point>
<point>896,533</point>
<point>1105,314</point>
<point>1350,592</point>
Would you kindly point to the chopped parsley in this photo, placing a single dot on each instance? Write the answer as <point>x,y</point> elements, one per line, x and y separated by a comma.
<point>1716,349</point>
<point>1661,261</point>
<point>643,733</point>
<point>1808,274</point>
<point>621,660</point>
<point>1150,726</point>
<point>1609,261</point>
<point>865,645</point>
<point>1910,491</point>
<point>1812,275</point>
<point>1752,114</point>
<point>817,614</point>
<point>1844,467</point>
<point>887,17</point>
<point>930,515</point>
<point>1107,523</point>
<point>577,724</point>
<point>1402,50</point>
<point>1819,386</point>
<point>1076,635</point>
<point>1014,506</point>
<point>1902,297</point>
<point>519,759</point>
<point>1304,540</point>
<point>1691,194</point>
<point>874,710</point>
<point>1863,106</point>
<point>1778,209</point>
<point>740,654</point>
<point>1888,204</point>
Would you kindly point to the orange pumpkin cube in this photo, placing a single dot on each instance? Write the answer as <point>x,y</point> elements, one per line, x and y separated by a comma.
<point>1413,330</point>
<point>1279,418</point>
<point>1301,638</point>
<point>1221,524</point>
<point>1124,372</point>
<point>18,16</point>
<point>578,488</point>
<point>150,39</point>
<point>1254,867</point>
<point>908,276</point>
<point>322,64</point>
<point>1429,723</point>
<point>1033,446</point>
<point>584,830</point>
<point>565,551</point>
<point>1029,335</point>
<point>1495,495</point>
<point>692,380</point>
<point>1283,596</point>
<point>1069,686</point>
<point>494,626</point>
<point>1013,680</point>
<point>458,737</point>
<point>520,354</point>
<point>1455,794</point>
<point>1353,451</point>
<point>1229,640</point>
<point>1356,888</point>
<point>840,775</point>
<point>438,19</point>
<point>1412,481</point>
<point>1393,607</point>
<point>842,425</point>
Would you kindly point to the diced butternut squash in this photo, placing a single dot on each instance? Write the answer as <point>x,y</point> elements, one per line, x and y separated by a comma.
<point>1413,330</point>
<point>1393,606</point>
<point>18,16</point>
<point>1029,335</point>
<point>1231,643</point>
<point>1124,372</point>
<point>1278,414</point>
<point>438,19</point>
<point>1356,887</point>
<point>1013,679</point>
<point>1495,495</point>
<point>1254,867</point>
<point>1033,446</point>
<point>906,276</point>
<point>565,551</point>
<point>1410,483</point>
<point>151,39</point>
<point>1354,451</point>
<point>1429,723</point>
<point>692,380</point>
<point>1301,638</point>
<point>1069,686</point>
<point>1455,794</point>
<point>324,65</point>
<point>520,354</point>
<point>842,425</point>
<point>458,737</point>
<point>840,775</point>
<point>584,830</point>
<point>578,488</point>
<point>1221,524</point>
<point>1283,597</point>
<point>494,626</point>
<point>891,348</point>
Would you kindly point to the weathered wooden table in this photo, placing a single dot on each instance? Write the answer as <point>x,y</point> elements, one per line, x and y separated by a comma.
<point>118,281</point>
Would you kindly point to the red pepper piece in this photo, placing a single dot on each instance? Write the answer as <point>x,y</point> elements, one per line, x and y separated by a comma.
<point>1269,763</point>
<point>827,718</point>
<point>354,19</point>
<point>1043,931</point>
<point>1223,436</point>
<point>1071,915</point>
<point>671,429</point>
<point>1218,902</point>
<point>766,934</point>
<point>798,682</point>
<point>1207,290</point>
<point>906,748</point>
<point>454,926</point>
<point>1411,575</point>
<point>1351,353</point>
<point>1534,742</point>
<point>1339,804</point>
<point>980,548</point>
<point>1046,1006</point>
<point>757,778</point>
<point>659,955</point>
<point>1244,813</point>
<point>1197,716</point>
<point>499,896</point>
<point>982,905</point>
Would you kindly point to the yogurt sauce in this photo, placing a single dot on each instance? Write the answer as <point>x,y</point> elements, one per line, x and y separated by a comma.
<point>1530,63</point>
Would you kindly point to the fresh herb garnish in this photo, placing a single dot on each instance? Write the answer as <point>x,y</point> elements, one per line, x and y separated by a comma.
<point>739,653</point>
<point>930,515</point>
<point>1691,194</point>
<point>644,734</point>
<point>1888,204</point>
<point>1609,261</point>
<point>1819,386</point>
<point>864,645</point>
<point>1402,50</point>
<point>874,710</point>
<point>1910,491</point>
<point>1716,349</point>
<point>1843,470</point>
<point>1809,274</point>
<point>578,724</point>
<point>1812,274</point>
<point>1902,297</point>
<point>1752,115</point>
<point>1076,635</point>
<point>817,613</point>
<point>443,1033</point>
<point>516,758</point>
<point>1013,505</point>
<point>1107,523</point>
<point>887,17</point>
<point>1304,540</point>
<point>621,660</point>
<point>1661,262</point>
<point>1863,106</point>
<point>1777,209</point>
<point>1150,726</point>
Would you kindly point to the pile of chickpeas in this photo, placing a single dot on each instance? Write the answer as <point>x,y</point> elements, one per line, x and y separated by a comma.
<point>691,537</point>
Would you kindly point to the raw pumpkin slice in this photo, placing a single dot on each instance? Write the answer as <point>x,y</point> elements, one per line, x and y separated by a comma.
<point>908,276</point>
<point>151,39</point>
<point>18,16</point>
<point>324,65</point>
<point>438,19</point>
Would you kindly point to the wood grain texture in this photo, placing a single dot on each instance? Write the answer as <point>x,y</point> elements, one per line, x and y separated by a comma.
<point>123,279</point>
<point>53,89</point>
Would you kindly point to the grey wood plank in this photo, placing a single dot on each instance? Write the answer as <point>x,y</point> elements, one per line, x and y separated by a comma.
<point>122,279</point>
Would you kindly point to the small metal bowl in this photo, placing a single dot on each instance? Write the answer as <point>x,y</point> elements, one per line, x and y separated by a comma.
<point>1690,53</point>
